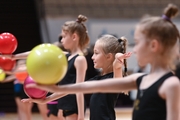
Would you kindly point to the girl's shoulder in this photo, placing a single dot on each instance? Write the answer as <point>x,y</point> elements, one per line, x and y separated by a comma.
<point>172,82</point>
<point>80,59</point>
<point>170,89</point>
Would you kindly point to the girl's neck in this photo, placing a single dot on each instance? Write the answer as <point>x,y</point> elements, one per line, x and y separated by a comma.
<point>106,71</point>
<point>159,65</point>
<point>159,69</point>
<point>75,51</point>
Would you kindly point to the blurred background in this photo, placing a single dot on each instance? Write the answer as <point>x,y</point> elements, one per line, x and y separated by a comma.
<point>39,21</point>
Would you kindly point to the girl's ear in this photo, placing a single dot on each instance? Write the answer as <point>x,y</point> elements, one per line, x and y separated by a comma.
<point>109,56</point>
<point>155,45</point>
<point>75,37</point>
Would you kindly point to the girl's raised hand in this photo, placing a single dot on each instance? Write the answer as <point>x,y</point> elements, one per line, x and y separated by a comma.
<point>119,59</point>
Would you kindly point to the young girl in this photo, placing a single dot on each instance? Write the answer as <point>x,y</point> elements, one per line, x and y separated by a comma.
<point>102,105</point>
<point>74,39</point>
<point>159,91</point>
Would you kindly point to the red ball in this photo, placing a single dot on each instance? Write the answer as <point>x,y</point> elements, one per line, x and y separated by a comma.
<point>7,64</point>
<point>8,43</point>
<point>33,92</point>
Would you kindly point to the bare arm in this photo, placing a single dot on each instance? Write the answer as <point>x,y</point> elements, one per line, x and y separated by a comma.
<point>21,55</point>
<point>118,65</point>
<point>20,68</point>
<point>113,85</point>
<point>81,67</point>
<point>49,98</point>
<point>17,56</point>
<point>9,79</point>
<point>170,91</point>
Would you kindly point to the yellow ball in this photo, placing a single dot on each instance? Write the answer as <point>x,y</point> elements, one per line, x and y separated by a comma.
<point>2,75</point>
<point>47,64</point>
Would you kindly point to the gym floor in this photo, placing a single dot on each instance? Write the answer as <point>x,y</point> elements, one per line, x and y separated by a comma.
<point>121,114</point>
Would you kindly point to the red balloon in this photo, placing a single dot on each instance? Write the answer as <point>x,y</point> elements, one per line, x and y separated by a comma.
<point>7,64</point>
<point>33,92</point>
<point>8,43</point>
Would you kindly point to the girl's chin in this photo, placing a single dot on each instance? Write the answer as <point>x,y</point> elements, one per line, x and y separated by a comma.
<point>95,67</point>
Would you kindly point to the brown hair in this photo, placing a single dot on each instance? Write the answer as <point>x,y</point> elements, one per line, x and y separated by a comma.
<point>163,30</point>
<point>111,44</point>
<point>79,28</point>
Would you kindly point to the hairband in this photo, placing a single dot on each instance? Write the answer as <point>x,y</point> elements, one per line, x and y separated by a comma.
<point>166,18</point>
<point>120,40</point>
<point>77,20</point>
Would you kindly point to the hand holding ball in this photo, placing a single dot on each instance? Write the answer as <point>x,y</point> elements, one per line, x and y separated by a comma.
<point>33,92</point>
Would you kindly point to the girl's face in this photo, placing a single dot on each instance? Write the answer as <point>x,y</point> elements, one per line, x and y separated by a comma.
<point>66,39</point>
<point>141,48</point>
<point>99,57</point>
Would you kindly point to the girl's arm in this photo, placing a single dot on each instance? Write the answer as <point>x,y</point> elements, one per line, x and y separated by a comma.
<point>170,91</point>
<point>49,98</point>
<point>111,85</point>
<point>17,56</point>
<point>8,72</point>
<point>21,55</point>
<point>81,67</point>
<point>9,79</point>
<point>118,64</point>
<point>20,68</point>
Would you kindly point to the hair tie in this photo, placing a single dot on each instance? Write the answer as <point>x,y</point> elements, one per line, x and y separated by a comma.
<point>77,20</point>
<point>166,18</point>
<point>120,40</point>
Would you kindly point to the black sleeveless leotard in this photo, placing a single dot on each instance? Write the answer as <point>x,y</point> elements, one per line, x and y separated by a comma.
<point>149,105</point>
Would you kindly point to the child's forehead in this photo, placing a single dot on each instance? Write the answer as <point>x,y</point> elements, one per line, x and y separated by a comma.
<point>138,34</point>
<point>98,43</point>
